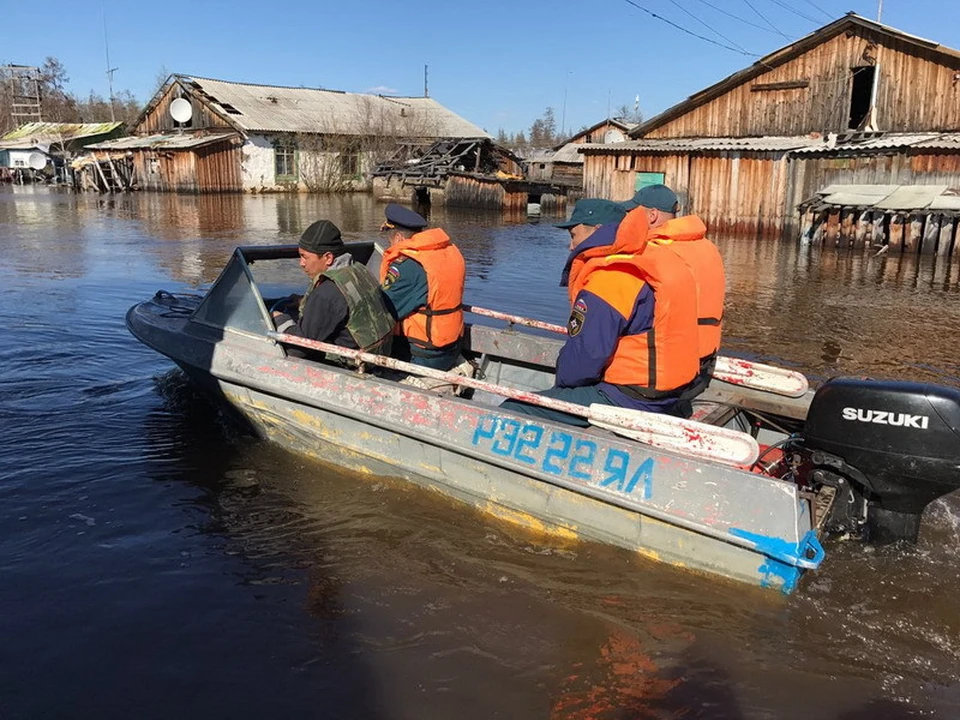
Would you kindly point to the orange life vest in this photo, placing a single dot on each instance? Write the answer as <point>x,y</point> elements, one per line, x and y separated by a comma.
<point>439,323</point>
<point>658,362</point>
<point>686,237</point>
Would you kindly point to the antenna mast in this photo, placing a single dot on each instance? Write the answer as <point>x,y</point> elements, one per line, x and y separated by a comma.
<point>879,9</point>
<point>110,70</point>
<point>425,92</point>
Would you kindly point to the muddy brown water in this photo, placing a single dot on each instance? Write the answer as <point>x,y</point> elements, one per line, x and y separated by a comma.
<point>156,561</point>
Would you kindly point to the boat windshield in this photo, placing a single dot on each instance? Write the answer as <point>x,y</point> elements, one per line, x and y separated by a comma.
<point>234,301</point>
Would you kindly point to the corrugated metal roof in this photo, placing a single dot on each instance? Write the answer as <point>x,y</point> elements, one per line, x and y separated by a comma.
<point>48,133</point>
<point>163,141</point>
<point>889,141</point>
<point>267,108</point>
<point>570,153</point>
<point>715,144</point>
<point>892,197</point>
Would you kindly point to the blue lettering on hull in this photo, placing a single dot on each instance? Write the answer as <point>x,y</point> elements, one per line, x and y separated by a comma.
<point>561,454</point>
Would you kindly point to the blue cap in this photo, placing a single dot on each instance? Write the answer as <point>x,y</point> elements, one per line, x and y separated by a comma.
<point>401,217</point>
<point>655,197</point>
<point>593,211</point>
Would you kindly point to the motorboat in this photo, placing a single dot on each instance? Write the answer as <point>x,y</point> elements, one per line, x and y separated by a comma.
<point>747,488</point>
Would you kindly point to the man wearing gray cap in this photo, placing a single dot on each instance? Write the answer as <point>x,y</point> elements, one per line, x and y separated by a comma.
<point>343,304</point>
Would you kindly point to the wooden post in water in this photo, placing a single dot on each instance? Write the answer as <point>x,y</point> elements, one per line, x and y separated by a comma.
<point>819,227</point>
<point>931,233</point>
<point>848,227</point>
<point>862,234</point>
<point>895,242</point>
<point>806,224</point>
<point>945,241</point>
<point>878,234</point>
<point>912,233</point>
<point>831,235</point>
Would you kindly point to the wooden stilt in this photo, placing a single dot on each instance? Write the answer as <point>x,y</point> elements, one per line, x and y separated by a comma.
<point>848,227</point>
<point>945,241</point>
<point>861,237</point>
<point>878,236</point>
<point>931,234</point>
<point>895,242</point>
<point>832,233</point>
<point>912,233</point>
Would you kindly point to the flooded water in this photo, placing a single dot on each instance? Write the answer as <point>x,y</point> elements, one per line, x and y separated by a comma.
<point>155,561</point>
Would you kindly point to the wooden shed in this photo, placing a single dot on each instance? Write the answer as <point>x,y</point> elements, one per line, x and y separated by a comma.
<point>206,135</point>
<point>740,150</point>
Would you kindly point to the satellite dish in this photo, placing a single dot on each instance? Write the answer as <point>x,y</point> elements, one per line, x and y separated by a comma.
<point>613,136</point>
<point>181,110</point>
<point>38,161</point>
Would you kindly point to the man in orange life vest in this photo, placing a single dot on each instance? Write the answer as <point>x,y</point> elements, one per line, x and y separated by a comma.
<point>422,275</point>
<point>632,332</point>
<point>686,236</point>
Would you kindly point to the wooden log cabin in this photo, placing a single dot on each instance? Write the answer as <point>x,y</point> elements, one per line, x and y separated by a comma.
<point>847,104</point>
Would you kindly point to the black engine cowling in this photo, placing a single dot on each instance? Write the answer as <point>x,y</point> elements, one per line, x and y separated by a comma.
<point>898,443</point>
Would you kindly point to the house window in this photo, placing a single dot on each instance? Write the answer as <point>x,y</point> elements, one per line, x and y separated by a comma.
<point>643,179</point>
<point>861,95</point>
<point>350,162</point>
<point>285,161</point>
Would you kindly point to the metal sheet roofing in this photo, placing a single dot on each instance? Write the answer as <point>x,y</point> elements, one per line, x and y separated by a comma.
<point>163,141</point>
<point>888,141</point>
<point>267,108</point>
<point>892,197</point>
<point>48,133</point>
<point>714,144</point>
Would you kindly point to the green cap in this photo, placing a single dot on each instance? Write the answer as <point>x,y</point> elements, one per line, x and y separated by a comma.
<point>594,211</point>
<point>655,197</point>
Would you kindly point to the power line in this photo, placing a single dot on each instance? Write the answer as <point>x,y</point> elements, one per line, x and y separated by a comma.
<point>764,18</point>
<point>738,18</point>
<point>795,11</point>
<point>825,13</point>
<point>688,32</point>
<point>708,27</point>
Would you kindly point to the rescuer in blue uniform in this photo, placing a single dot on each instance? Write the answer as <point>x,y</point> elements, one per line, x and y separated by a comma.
<point>422,277</point>
<point>590,366</point>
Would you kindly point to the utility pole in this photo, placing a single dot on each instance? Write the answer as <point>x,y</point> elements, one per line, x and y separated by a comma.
<point>563,113</point>
<point>879,9</point>
<point>110,70</point>
<point>426,93</point>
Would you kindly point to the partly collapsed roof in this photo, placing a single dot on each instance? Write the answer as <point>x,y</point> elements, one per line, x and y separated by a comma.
<point>890,197</point>
<point>831,144</point>
<point>165,141</point>
<point>783,55</point>
<point>37,134</point>
<point>273,109</point>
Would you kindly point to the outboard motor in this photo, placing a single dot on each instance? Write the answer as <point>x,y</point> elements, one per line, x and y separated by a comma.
<point>890,448</point>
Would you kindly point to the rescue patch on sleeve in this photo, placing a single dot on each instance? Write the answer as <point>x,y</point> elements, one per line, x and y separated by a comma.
<point>575,323</point>
<point>393,274</point>
<point>580,305</point>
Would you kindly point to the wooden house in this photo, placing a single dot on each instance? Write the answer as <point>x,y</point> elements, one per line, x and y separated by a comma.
<point>204,135</point>
<point>563,164</point>
<point>53,144</point>
<point>845,104</point>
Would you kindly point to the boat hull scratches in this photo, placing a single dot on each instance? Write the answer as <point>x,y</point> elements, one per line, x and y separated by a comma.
<point>511,497</point>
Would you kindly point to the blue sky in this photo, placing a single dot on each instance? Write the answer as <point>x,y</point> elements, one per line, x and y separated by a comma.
<point>498,63</point>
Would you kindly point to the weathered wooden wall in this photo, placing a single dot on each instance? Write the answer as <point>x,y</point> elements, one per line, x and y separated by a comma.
<point>218,168</point>
<point>157,118</point>
<point>916,92</point>
<point>732,192</point>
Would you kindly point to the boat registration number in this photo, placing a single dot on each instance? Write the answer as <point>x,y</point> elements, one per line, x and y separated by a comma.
<point>562,454</point>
